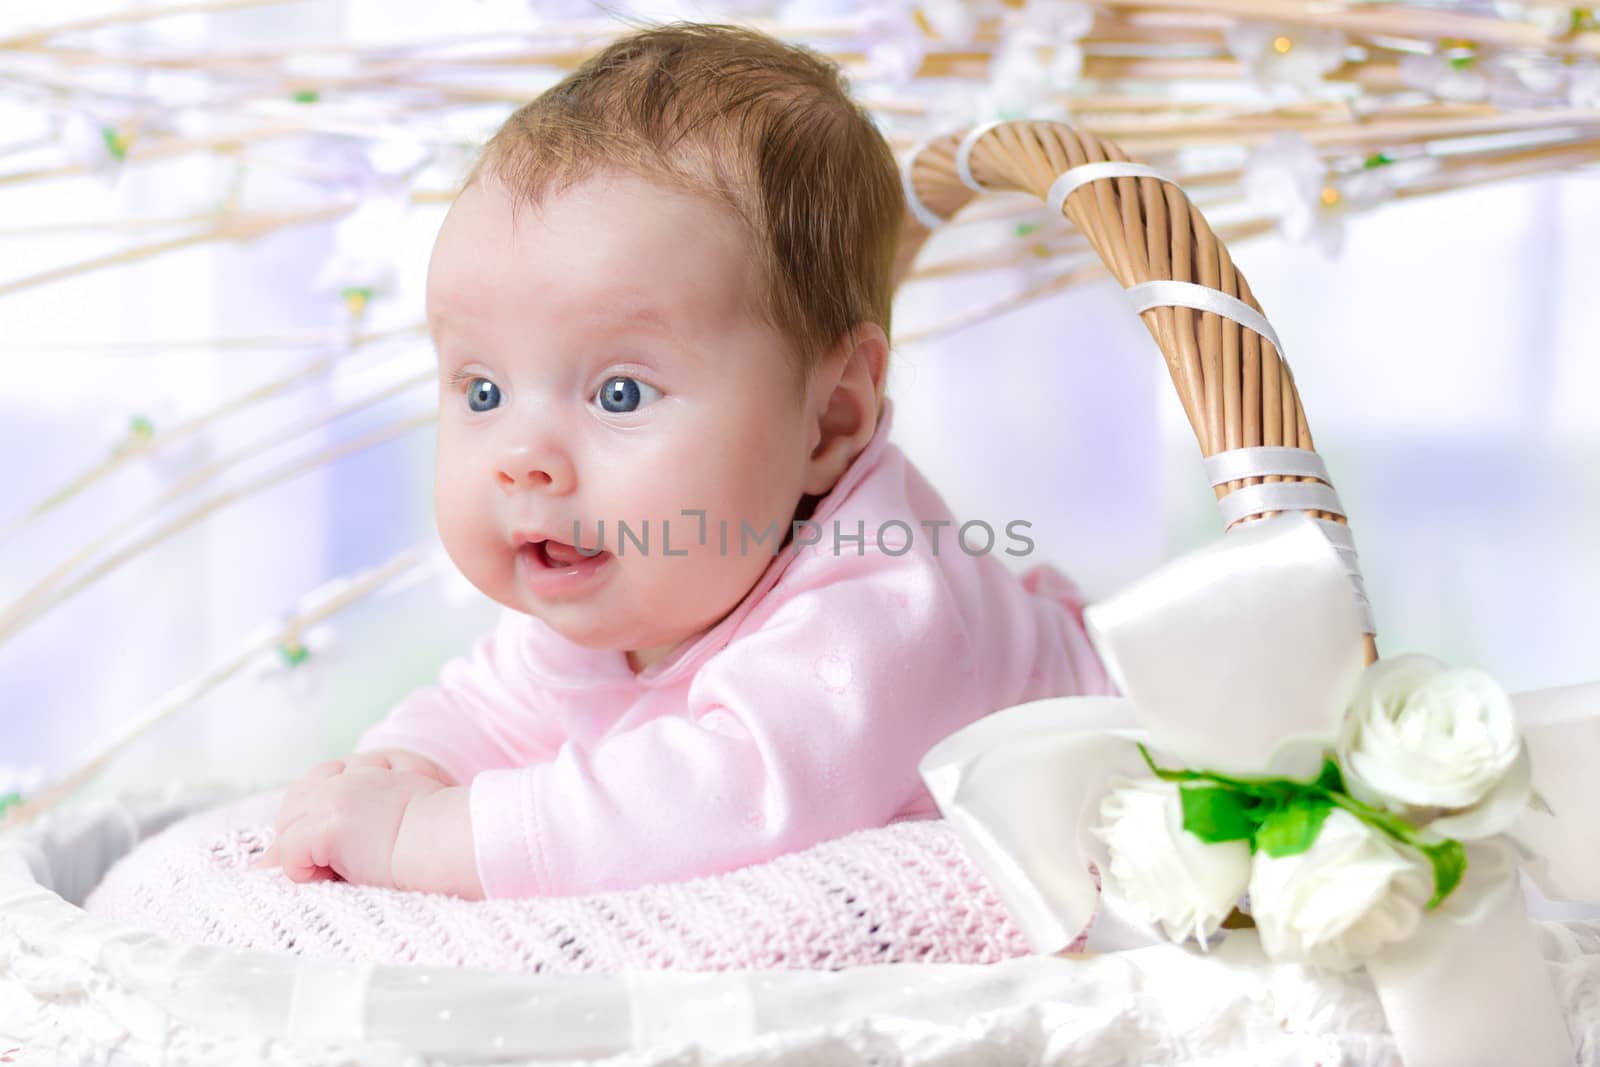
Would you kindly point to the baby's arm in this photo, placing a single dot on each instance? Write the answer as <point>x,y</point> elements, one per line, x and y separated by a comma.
<point>433,851</point>
<point>476,717</point>
<point>395,829</point>
<point>473,719</point>
<point>804,730</point>
<point>390,759</point>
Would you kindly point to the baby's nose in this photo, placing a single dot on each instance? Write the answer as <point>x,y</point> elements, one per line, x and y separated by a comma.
<point>532,477</point>
<point>521,470</point>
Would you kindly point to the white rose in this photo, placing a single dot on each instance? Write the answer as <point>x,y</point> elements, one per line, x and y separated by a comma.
<point>1421,736</point>
<point>1163,871</point>
<point>1334,905</point>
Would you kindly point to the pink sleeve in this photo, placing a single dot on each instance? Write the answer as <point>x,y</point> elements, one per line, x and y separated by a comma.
<point>802,731</point>
<point>477,716</point>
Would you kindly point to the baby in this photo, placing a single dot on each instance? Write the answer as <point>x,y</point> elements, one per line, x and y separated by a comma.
<point>732,626</point>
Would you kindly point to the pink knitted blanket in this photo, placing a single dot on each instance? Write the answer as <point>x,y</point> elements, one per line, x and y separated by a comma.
<point>905,893</point>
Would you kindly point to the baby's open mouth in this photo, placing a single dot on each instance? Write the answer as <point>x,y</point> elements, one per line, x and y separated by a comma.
<point>558,555</point>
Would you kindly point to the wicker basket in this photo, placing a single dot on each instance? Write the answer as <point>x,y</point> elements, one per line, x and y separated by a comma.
<point>1240,399</point>
<point>1224,357</point>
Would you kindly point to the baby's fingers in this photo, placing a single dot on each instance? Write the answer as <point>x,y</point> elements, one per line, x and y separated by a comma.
<point>304,852</point>
<point>269,858</point>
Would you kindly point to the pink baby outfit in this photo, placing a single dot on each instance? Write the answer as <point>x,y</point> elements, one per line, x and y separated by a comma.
<point>799,718</point>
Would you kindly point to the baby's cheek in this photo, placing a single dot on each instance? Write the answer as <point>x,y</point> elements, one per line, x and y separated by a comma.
<point>482,556</point>
<point>657,599</point>
<point>715,581</point>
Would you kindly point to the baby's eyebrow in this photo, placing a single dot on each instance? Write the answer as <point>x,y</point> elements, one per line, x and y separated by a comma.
<point>625,317</point>
<point>644,317</point>
<point>441,323</point>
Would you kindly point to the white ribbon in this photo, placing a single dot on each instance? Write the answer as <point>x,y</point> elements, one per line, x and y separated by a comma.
<point>923,213</point>
<point>1168,293</point>
<point>964,153</point>
<point>1240,658</point>
<point>1072,179</point>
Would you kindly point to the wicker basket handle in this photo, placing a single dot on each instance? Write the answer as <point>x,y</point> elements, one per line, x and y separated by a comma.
<point>1222,354</point>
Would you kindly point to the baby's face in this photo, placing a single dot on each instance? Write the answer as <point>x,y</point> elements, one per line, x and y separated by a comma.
<point>602,361</point>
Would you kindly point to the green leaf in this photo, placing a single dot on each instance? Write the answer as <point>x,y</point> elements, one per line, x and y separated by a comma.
<point>9,799</point>
<point>1214,813</point>
<point>1449,859</point>
<point>1291,830</point>
<point>1330,779</point>
<point>1288,815</point>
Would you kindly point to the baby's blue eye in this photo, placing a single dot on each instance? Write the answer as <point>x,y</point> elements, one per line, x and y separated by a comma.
<point>621,395</point>
<point>485,390</point>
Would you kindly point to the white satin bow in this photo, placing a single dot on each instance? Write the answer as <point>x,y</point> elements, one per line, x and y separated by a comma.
<point>1239,658</point>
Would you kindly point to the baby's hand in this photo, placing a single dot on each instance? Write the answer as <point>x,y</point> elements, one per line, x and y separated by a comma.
<point>399,759</point>
<point>293,799</point>
<point>344,822</point>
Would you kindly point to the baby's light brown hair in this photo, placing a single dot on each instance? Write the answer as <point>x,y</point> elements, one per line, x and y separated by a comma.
<point>765,128</point>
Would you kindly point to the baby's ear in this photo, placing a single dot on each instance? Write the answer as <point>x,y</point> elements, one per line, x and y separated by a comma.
<point>844,397</point>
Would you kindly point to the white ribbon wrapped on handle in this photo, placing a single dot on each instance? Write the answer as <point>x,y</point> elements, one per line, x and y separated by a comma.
<point>1240,659</point>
